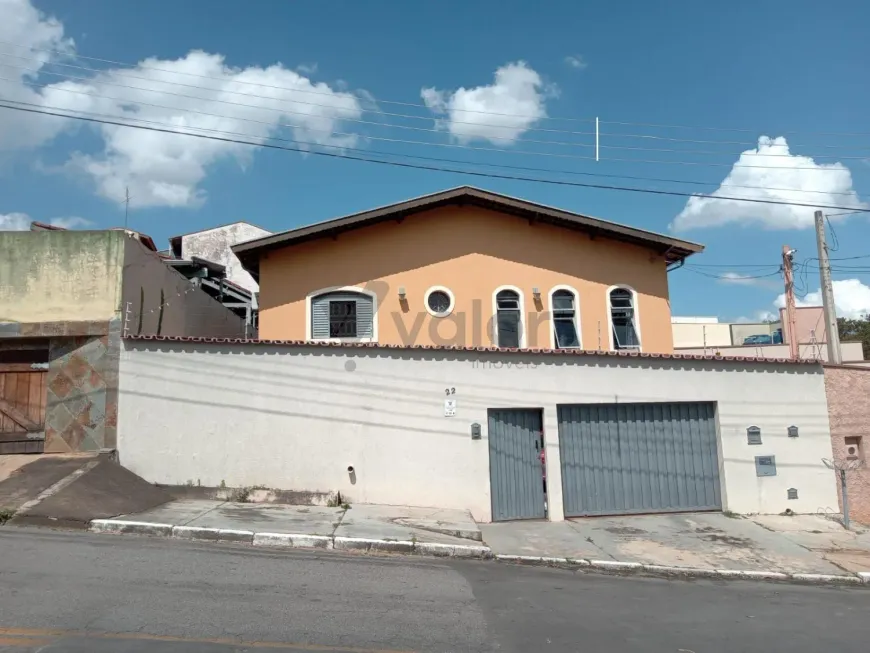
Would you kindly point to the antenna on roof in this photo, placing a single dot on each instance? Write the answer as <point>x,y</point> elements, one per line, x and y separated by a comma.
<point>126,204</point>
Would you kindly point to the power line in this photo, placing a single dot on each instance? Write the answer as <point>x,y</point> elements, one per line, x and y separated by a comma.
<point>736,278</point>
<point>414,156</point>
<point>280,110</point>
<point>725,129</point>
<point>335,155</point>
<point>285,110</point>
<point>709,142</point>
<point>427,118</point>
<point>128,65</point>
<point>410,142</point>
<point>280,88</point>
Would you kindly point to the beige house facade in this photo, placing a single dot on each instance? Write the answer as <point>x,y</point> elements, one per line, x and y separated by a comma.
<point>468,268</point>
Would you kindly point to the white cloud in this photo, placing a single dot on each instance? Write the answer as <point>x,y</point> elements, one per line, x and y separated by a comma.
<point>576,61</point>
<point>72,222</point>
<point>740,279</point>
<point>165,169</point>
<point>14,222</point>
<point>21,222</point>
<point>500,112</point>
<point>25,25</point>
<point>851,297</point>
<point>758,316</point>
<point>737,278</point>
<point>832,183</point>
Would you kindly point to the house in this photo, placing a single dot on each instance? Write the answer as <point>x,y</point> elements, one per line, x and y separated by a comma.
<point>66,299</point>
<point>707,335</point>
<point>467,267</point>
<point>426,352</point>
<point>215,245</point>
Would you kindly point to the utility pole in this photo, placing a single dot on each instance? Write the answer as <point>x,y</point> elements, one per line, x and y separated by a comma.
<point>790,312</point>
<point>833,333</point>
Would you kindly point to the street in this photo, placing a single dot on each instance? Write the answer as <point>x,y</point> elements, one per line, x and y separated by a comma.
<point>72,591</point>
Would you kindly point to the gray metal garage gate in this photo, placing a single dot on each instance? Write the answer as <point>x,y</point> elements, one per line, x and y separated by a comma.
<point>621,459</point>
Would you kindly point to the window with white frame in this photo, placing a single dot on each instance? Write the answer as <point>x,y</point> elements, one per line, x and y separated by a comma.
<point>342,315</point>
<point>623,319</point>
<point>565,331</point>
<point>508,319</point>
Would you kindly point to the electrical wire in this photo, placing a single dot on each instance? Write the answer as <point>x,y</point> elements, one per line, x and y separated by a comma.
<point>836,242</point>
<point>279,110</point>
<point>508,139</point>
<point>335,155</point>
<point>735,279</point>
<point>427,118</point>
<point>141,66</point>
<point>753,144</point>
<point>415,156</point>
<point>409,142</point>
<point>279,88</point>
<point>725,129</point>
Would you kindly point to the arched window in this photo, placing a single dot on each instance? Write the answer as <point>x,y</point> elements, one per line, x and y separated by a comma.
<point>565,320</point>
<point>624,333</point>
<point>509,318</point>
<point>343,314</point>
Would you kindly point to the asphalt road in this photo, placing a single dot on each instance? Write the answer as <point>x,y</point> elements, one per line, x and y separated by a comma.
<point>76,592</point>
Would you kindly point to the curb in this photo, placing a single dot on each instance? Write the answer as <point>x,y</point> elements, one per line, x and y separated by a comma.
<point>667,571</point>
<point>290,540</point>
<point>478,552</point>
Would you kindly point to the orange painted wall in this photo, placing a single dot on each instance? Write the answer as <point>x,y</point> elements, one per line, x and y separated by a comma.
<point>471,251</point>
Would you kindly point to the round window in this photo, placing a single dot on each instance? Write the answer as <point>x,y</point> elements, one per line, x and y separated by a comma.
<point>439,302</point>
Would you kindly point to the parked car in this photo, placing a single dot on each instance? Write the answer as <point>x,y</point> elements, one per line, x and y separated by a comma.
<point>759,339</point>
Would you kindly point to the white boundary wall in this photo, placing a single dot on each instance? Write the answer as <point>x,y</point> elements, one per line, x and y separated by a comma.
<point>295,418</point>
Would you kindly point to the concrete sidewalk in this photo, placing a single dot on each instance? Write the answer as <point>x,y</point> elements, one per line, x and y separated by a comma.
<point>400,529</point>
<point>808,548</point>
<point>805,544</point>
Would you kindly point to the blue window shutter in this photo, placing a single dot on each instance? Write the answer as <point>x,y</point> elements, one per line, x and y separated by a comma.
<point>320,317</point>
<point>320,313</point>
<point>365,317</point>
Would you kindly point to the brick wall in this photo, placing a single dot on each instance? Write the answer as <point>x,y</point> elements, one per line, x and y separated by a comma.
<point>848,391</point>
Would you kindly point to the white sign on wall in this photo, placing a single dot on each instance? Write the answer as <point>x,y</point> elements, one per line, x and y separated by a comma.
<point>449,408</point>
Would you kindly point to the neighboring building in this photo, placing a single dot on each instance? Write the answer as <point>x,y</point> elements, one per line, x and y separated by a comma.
<point>848,390</point>
<point>66,299</point>
<point>769,340</point>
<point>211,279</point>
<point>215,245</point>
<point>700,332</point>
<point>466,267</point>
<point>223,277</point>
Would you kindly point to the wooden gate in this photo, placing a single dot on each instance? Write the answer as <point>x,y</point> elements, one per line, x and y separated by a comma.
<point>22,407</point>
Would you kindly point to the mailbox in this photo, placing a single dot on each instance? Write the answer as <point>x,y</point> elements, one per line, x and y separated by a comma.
<point>765,465</point>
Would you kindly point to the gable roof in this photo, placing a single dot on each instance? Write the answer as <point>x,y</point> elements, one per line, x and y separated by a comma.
<point>673,249</point>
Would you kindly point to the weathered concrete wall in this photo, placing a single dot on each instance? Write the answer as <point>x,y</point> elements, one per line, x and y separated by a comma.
<point>55,276</point>
<point>848,392</point>
<point>297,417</point>
<point>214,245</point>
<point>163,302</point>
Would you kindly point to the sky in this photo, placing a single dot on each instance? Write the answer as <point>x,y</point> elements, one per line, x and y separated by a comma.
<point>760,100</point>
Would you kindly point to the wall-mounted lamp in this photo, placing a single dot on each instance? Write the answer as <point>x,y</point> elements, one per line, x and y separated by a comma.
<point>401,292</point>
<point>536,292</point>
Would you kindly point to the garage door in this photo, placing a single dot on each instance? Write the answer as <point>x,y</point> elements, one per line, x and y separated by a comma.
<point>620,459</point>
